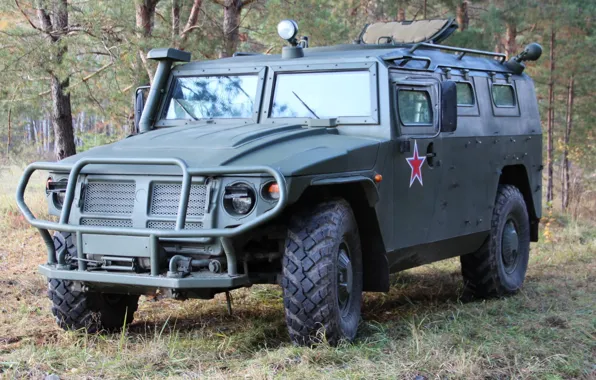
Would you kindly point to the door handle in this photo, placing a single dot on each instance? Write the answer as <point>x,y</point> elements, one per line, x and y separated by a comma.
<point>430,155</point>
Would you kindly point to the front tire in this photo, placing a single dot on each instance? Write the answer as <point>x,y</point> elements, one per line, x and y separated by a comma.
<point>499,267</point>
<point>89,311</point>
<point>322,275</point>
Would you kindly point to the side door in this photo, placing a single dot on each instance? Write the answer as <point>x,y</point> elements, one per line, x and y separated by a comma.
<point>418,173</point>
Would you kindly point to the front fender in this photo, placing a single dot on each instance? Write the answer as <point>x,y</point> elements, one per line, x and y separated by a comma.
<point>368,185</point>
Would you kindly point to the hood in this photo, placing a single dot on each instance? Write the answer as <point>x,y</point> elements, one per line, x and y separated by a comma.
<point>291,148</point>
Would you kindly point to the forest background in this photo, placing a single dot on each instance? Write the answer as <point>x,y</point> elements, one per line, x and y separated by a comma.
<point>69,69</point>
<point>68,73</point>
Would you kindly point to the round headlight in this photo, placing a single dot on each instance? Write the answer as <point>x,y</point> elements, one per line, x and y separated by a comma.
<point>287,29</point>
<point>239,199</point>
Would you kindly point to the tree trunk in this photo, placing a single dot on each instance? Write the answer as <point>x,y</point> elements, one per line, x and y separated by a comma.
<point>424,8</point>
<point>175,21</point>
<point>462,16</point>
<point>401,14</point>
<point>231,24</point>
<point>54,23</point>
<point>9,131</point>
<point>510,35</point>
<point>62,119</point>
<point>145,19</point>
<point>569,124</point>
<point>550,120</point>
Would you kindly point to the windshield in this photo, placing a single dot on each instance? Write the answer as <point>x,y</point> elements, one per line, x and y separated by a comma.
<point>211,97</point>
<point>322,95</point>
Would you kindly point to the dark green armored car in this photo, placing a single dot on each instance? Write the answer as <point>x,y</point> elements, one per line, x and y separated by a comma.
<point>321,169</point>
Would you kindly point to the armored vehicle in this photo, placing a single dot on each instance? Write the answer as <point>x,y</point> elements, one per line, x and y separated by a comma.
<point>320,169</point>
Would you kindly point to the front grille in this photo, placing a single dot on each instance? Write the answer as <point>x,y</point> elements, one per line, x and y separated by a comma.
<point>165,199</point>
<point>165,225</point>
<point>106,222</point>
<point>109,197</point>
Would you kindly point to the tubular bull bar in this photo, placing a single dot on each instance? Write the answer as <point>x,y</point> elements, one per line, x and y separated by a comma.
<point>224,234</point>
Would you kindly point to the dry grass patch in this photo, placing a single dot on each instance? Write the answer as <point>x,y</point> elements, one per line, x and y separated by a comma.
<point>420,328</point>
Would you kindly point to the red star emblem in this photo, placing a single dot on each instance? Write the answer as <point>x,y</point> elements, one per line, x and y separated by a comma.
<point>415,163</point>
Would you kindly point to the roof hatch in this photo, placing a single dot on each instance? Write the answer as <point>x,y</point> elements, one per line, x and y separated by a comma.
<point>407,32</point>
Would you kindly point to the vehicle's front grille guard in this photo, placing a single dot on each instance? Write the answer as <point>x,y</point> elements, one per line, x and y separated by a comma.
<point>154,234</point>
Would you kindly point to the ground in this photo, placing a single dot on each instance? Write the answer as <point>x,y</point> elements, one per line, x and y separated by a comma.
<point>421,329</point>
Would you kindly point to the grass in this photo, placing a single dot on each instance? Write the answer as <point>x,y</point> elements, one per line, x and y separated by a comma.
<point>420,328</point>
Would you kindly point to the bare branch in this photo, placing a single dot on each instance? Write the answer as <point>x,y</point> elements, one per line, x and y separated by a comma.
<point>146,66</point>
<point>85,79</point>
<point>246,2</point>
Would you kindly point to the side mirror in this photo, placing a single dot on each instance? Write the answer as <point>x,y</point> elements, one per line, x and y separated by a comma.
<point>448,106</point>
<point>139,104</point>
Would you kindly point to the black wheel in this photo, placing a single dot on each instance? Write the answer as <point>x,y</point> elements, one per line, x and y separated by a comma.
<point>93,312</point>
<point>499,267</point>
<point>65,241</point>
<point>322,275</point>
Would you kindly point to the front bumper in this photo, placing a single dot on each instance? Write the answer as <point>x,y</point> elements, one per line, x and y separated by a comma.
<point>192,281</point>
<point>56,268</point>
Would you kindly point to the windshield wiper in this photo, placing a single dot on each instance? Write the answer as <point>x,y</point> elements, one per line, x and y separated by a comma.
<point>185,110</point>
<point>304,104</point>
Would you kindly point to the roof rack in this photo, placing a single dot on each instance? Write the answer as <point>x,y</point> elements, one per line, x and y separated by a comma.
<point>462,51</point>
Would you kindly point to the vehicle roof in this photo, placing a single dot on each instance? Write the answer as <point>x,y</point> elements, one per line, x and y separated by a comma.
<point>437,58</point>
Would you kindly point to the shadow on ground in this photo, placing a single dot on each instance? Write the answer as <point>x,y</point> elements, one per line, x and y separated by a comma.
<point>258,311</point>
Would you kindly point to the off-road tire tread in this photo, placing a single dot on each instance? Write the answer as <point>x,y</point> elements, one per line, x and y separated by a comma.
<point>75,310</point>
<point>479,269</point>
<point>307,267</point>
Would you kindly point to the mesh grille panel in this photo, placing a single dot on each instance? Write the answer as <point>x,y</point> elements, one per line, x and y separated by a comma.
<point>166,196</point>
<point>106,222</point>
<point>164,225</point>
<point>109,197</point>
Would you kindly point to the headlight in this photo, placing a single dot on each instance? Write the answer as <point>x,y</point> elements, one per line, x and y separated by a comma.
<point>58,199</point>
<point>57,190</point>
<point>239,199</point>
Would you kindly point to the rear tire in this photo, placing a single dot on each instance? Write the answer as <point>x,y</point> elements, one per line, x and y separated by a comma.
<point>322,275</point>
<point>92,312</point>
<point>499,267</point>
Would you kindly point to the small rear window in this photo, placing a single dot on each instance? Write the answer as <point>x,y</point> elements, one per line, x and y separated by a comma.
<point>465,94</point>
<point>503,95</point>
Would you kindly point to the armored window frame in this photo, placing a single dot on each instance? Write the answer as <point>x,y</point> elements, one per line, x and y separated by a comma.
<point>512,92</point>
<point>198,72</point>
<point>428,101</point>
<point>470,86</point>
<point>431,89</point>
<point>503,111</point>
<point>274,70</point>
<point>457,76</point>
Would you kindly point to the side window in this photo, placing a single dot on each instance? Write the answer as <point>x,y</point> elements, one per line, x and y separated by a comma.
<point>414,107</point>
<point>465,94</point>
<point>503,95</point>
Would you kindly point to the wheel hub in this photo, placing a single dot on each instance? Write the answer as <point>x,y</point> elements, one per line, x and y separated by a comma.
<point>344,278</point>
<point>510,246</point>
